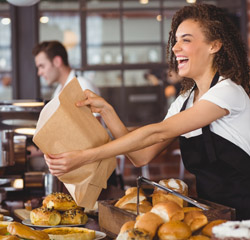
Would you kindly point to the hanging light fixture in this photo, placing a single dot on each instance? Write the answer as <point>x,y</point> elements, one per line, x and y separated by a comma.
<point>144,1</point>
<point>23,3</point>
<point>191,1</point>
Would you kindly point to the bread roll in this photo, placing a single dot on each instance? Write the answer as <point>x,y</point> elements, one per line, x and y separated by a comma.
<point>148,222</point>
<point>176,185</point>
<point>134,234</point>
<point>44,216</point>
<point>199,237</point>
<point>127,226</point>
<point>73,216</point>
<point>207,230</point>
<point>130,198</point>
<point>168,211</point>
<point>133,190</point>
<point>189,209</point>
<point>22,231</point>
<point>195,220</point>
<point>70,233</point>
<point>174,230</point>
<point>132,207</point>
<point>59,201</point>
<point>145,202</point>
<point>161,197</point>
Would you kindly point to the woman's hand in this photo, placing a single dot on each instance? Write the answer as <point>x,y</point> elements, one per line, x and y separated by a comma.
<point>96,103</point>
<point>60,164</point>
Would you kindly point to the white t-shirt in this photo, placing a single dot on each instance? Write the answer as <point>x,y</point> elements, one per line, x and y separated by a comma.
<point>235,127</point>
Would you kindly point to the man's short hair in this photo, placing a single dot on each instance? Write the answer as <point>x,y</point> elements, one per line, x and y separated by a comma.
<point>52,49</point>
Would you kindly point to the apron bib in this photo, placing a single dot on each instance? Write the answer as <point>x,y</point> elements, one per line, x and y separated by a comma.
<point>222,169</point>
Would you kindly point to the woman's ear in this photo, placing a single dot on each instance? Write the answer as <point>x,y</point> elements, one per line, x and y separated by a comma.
<point>215,46</point>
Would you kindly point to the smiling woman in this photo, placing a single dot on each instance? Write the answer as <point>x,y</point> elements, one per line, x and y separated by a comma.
<point>210,117</point>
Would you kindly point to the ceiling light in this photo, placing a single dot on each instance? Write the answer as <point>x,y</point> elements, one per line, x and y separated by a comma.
<point>158,18</point>
<point>44,19</point>
<point>191,1</point>
<point>5,21</point>
<point>144,1</point>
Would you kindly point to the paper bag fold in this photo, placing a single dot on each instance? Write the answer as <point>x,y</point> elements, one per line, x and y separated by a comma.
<point>63,127</point>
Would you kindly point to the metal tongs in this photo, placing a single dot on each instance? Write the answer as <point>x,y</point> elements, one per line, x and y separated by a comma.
<point>141,179</point>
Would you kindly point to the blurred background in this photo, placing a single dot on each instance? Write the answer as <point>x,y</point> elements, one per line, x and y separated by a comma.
<point>119,45</point>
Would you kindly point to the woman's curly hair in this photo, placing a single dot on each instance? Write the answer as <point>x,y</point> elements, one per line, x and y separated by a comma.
<point>231,60</point>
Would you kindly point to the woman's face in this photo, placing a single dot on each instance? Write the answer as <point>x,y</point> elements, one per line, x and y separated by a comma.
<point>192,51</point>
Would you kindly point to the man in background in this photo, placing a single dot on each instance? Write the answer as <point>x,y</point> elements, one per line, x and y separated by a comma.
<point>51,60</point>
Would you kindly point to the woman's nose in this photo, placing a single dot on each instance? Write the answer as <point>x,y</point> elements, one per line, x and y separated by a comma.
<point>176,47</point>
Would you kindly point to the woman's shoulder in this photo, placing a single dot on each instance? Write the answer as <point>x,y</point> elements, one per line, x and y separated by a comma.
<point>226,87</point>
<point>227,94</point>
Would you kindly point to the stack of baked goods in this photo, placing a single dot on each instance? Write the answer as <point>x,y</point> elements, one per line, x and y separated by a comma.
<point>58,208</point>
<point>169,218</point>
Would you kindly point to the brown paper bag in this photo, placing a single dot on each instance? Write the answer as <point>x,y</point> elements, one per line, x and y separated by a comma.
<point>63,127</point>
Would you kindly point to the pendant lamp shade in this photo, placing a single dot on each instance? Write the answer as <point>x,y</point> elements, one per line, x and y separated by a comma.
<point>23,3</point>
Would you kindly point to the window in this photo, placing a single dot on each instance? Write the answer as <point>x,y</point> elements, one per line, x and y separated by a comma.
<point>5,53</point>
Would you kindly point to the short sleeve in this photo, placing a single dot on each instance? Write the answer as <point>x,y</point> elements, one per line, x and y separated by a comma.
<point>176,106</point>
<point>226,94</point>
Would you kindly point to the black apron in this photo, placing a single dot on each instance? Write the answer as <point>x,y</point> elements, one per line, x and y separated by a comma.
<point>222,169</point>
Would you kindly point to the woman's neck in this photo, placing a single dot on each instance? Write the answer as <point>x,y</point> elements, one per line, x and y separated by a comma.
<point>203,84</point>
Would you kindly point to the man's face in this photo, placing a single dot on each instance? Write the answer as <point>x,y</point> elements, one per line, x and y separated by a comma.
<point>46,68</point>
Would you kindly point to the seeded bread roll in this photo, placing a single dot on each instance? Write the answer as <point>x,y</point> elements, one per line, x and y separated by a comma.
<point>168,211</point>
<point>73,216</point>
<point>22,231</point>
<point>207,230</point>
<point>45,216</point>
<point>59,201</point>
<point>195,220</point>
<point>174,230</point>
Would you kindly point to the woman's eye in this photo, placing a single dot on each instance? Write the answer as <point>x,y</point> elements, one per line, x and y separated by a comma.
<point>186,40</point>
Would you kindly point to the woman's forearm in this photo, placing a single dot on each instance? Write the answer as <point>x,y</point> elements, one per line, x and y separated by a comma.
<point>117,128</point>
<point>133,141</point>
<point>113,122</point>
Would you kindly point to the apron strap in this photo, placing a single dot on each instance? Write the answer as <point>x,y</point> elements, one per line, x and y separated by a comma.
<point>207,137</point>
